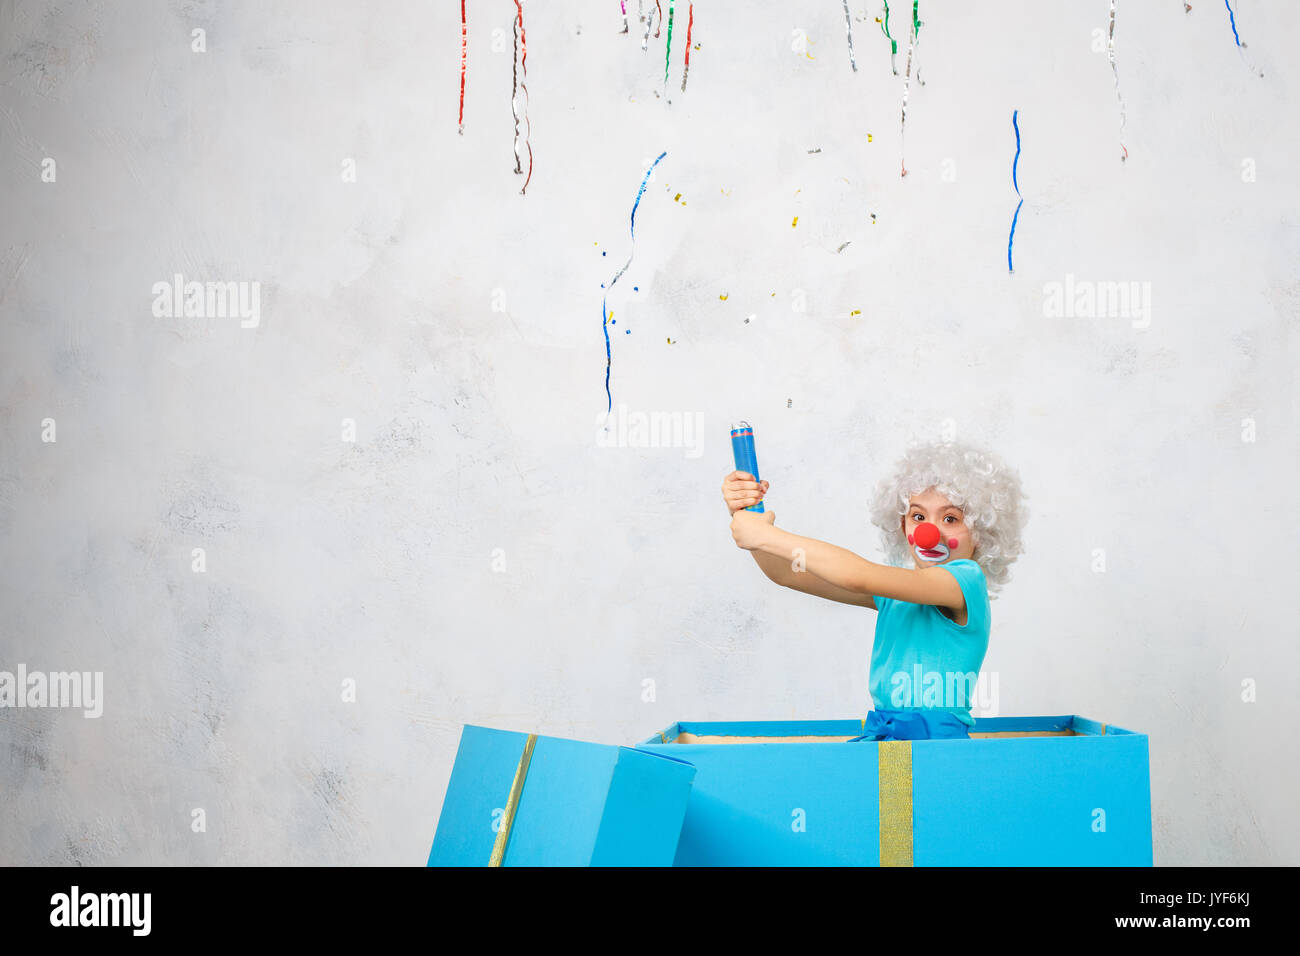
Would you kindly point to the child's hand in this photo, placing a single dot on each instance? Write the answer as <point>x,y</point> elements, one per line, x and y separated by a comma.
<point>740,490</point>
<point>750,529</point>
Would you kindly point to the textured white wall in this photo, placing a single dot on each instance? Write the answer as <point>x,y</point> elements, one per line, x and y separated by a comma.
<point>458,323</point>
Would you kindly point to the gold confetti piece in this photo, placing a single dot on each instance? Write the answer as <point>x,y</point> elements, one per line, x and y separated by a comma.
<point>855,312</point>
<point>670,341</point>
<point>795,223</point>
<point>869,135</point>
<point>677,198</point>
<point>723,297</point>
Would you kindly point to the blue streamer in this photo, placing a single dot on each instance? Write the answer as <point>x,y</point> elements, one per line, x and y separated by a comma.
<point>1232,20</point>
<point>609,359</point>
<point>1014,164</point>
<point>1241,47</point>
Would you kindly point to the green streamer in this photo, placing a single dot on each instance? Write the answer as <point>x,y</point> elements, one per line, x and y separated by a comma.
<point>884,27</point>
<point>668,51</point>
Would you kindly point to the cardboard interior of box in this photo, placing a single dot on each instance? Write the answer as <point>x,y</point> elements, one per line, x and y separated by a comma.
<point>841,731</point>
<point>689,738</point>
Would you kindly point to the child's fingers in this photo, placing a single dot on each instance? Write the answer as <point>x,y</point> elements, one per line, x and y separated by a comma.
<point>740,490</point>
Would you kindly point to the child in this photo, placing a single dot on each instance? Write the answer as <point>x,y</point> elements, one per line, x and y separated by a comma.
<point>952,512</point>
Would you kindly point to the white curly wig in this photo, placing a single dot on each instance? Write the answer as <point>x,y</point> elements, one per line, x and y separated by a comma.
<point>978,482</point>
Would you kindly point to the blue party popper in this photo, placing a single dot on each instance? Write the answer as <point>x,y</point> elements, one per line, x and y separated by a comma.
<point>742,446</point>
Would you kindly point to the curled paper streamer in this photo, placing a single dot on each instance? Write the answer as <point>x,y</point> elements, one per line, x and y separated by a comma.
<point>604,312</point>
<point>1241,47</point>
<point>1232,21</point>
<point>521,65</point>
<point>848,25</point>
<point>464,52</point>
<point>893,44</point>
<point>1110,52</point>
<point>668,47</point>
<point>1014,163</point>
<point>648,19</point>
<point>916,28</point>
<point>690,22</point>
<point>907,79</point>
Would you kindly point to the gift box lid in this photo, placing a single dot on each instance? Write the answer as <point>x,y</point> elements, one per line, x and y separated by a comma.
<point>517,799</point>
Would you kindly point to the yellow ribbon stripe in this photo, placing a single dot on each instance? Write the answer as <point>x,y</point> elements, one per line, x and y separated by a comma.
<point>895,759</point>
<point>512,803</point>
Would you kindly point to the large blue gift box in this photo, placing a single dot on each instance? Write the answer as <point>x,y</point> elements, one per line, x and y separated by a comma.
<point>1022,791</point>
<point>517,799</point>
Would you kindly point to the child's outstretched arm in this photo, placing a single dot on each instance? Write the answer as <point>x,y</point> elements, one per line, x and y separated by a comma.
<point>740,491</point>
<point>782,571</point>
<point>843,569</point>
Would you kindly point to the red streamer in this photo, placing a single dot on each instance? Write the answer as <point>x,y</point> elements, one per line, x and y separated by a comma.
<point>689,23</point>
<point>464,53</point>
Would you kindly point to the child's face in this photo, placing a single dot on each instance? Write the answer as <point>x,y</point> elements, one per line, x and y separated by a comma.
<point>955,539</point>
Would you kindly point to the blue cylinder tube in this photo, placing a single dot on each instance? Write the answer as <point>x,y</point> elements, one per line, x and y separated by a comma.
<point>742,447</point>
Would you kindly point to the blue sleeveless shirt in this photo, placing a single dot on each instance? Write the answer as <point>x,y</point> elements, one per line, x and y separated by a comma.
<point>923,660</point>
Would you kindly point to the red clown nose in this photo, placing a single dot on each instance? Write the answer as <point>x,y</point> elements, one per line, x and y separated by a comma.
<point>926,535</point>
